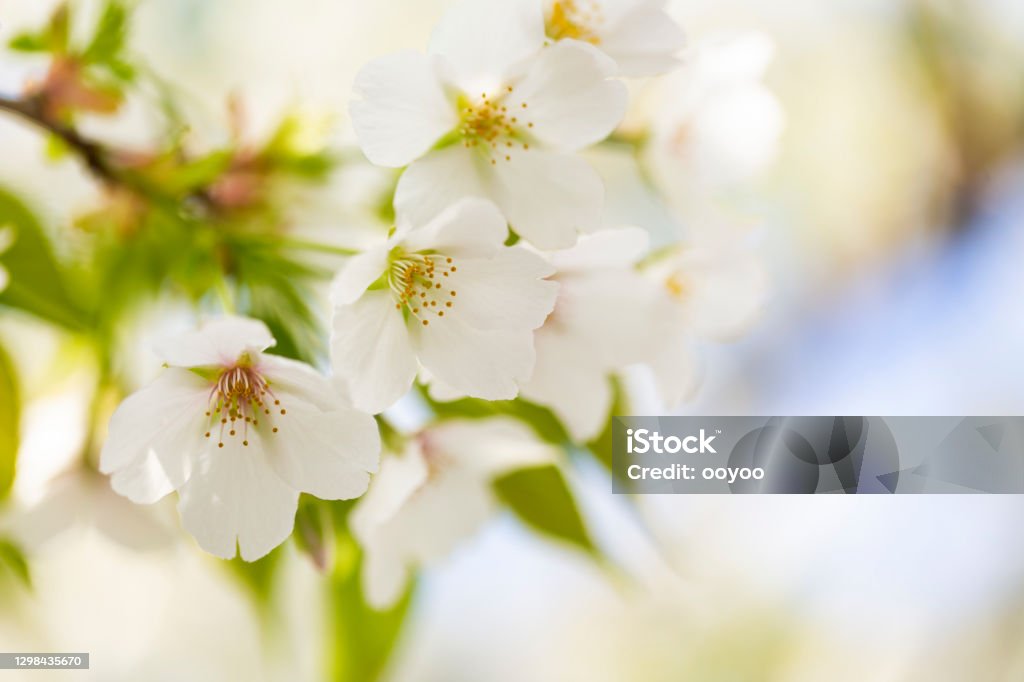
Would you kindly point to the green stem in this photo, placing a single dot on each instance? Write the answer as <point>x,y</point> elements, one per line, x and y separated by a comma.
<point>306,245</point>
<point>227,301</point>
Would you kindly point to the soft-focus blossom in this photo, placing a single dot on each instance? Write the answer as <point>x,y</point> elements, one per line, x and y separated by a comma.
<point>239,434</point>
<point>434,495</point>
<point>6,239</point>
<point>448,296</point>
<point>491,112</point>
<point>713,290</point>
<point>638,34</point>
<point>606,317</point>
<point>715,123</point>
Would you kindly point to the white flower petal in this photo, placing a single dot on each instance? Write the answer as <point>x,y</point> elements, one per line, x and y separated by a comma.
<point>504,292</point>
<point>403,110</point>
<point>676,368</point>
<point>299,380</point>
<point>236,497</point>
<point>384,577</point>
<point>371,352</point>
<point>571,100</point>
<point>358,273</point>
<point>472,227</point>
<point>482,364</point>
<point>485,40</point>
<point>218,341</point>
<point>548,198</point>
<point>166,421</point>
<point>571,382</point>
<point>435,182</point>
<point>488,447</point>
<point>644,41</point>
<point>729,291</point>
<point>143,481</point>
<point>617,248</point>
<point>327,454</point>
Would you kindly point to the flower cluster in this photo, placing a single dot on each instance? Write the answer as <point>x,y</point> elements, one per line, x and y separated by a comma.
<point>499,281</point>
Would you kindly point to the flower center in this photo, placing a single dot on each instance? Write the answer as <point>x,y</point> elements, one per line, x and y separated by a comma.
<point>493,124</point>
<point>237,399</point>
<point>420,284</point>
<point>677,285</point>
<point>574,19</point>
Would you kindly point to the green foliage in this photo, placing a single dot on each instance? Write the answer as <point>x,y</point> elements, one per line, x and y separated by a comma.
<point>108,42</point>
<point>541,498</point>
<point>52,38</point>
<point>10,415</point>
<point>361,638</point>
<point>540,419</point>
<point>14,563</point>
<point>258,577</point>
<point>37,284</point>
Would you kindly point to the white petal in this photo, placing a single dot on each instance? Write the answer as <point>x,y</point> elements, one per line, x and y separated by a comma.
<point>217,342</point>
<point>472,227</point>
<point>358,274</point>
<point>485,40</point>
<point>371,351</point>
<point>435,182</point>
<point>482,364</point>
<point>487,447</point>
<point>403,110</point>
<point>616,248</point>
<point>236,497</point>
<point>644,41</point>
<point>548,197</point>
<point>144,481</point>
<point>327,454</point>
<point>398,479</point>
<point>297,379</point>
<point>571,382</point>
<point>677,371</point>
<point>384,577</point>
<point>571,100</point>
<point>729,292</point>
<point>166,421</point>
<point>504,292</point>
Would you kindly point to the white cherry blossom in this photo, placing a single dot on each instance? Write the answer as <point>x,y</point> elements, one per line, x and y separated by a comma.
<point>713,289</point>
<point>715,123</point>
<point>607,316</point>
<point>638,34</point>
<point>448,296</point>
<point>491,112</point>
<point>434,495</point>
<point>239,434</point>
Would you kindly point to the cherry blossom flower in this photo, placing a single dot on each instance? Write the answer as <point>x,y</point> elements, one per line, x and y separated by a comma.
<point>606,317</point>
<point>715,123</point>
<point>494,114</point>
<point>638,34</point>
<point>448,296</point>
<point>714,289</point>
<point>239,434</point>
<point>434,495</point>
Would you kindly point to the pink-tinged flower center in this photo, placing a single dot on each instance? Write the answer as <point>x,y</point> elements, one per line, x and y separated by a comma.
<point>494,126</point>
<point>240,397</point>
<point>422,284</point>
<point>574,19</point>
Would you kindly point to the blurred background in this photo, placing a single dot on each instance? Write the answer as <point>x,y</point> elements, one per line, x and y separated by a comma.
<point>888,205</point>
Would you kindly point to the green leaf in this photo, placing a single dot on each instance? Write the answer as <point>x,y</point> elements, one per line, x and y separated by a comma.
<point>10,415</point>
<point>362,638</point>
<point>36,281</point>
<point>542,420</point>
<point>109,39</point>
<point>259,577</point>
<point>29,42</point>
<point>12,559</point>
<point>542,499</point>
